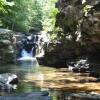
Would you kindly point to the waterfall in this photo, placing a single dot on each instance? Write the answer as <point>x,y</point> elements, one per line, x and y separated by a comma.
<point>32,48</point>
<point>28,62</point>
<point>24,53</point>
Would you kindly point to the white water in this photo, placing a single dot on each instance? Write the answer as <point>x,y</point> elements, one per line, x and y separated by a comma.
<point>26,56</point>
<point>29,63</point>
<point>24,53</point>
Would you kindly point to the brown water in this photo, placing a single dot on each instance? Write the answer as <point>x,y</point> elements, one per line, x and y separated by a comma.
<point>59,82</point>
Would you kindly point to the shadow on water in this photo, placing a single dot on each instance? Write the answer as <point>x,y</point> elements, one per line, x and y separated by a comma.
<point>61,83</point>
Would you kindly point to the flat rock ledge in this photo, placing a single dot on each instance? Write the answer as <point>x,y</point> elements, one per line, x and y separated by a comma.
<point>28,96</point>
<point>84,96</point>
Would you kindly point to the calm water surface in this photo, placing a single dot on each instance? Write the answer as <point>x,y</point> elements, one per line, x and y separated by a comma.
<point>60,83</point>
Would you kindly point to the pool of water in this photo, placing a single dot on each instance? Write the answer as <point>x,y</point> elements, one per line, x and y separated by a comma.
<point>61,83</point>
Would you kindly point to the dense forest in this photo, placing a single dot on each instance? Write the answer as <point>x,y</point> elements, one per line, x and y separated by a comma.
<point>25,15</point>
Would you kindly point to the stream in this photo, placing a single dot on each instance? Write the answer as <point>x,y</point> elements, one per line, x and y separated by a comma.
<point>61,83</point>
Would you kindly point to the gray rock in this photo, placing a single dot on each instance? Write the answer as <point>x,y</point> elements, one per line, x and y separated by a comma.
<point>28,96</point>
<point>71,19</point>
<point>8,81</point>
<point>84,96</point>
<point>6,46</point>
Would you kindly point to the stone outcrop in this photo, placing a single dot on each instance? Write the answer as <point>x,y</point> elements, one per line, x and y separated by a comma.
<point>8,82</point>
<point>84,96</point>
<point>81,19</point>
<point>80,22</point>
<point>6,46</point>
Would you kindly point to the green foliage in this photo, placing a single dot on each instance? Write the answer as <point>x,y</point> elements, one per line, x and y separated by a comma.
<point>2,4</point>
<point>24,15</point>
<point>49,15</point>
<point>53,16</point>
<point>4,9</point>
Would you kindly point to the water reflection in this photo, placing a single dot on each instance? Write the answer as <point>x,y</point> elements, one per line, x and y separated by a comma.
<point>28,64</point>
<point>59,82</point>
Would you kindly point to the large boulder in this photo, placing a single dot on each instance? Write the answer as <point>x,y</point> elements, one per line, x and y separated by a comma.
<point>8,82</point>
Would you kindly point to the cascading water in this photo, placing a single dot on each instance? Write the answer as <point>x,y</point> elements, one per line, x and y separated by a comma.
<point>27,60</point>
<point>32,48</point>
<point>33,45</point>
<point>24,53</point>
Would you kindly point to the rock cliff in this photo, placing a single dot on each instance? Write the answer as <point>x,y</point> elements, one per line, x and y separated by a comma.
<point>80,22</point>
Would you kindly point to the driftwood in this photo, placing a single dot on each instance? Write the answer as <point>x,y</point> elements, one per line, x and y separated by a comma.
<point>28,96</point>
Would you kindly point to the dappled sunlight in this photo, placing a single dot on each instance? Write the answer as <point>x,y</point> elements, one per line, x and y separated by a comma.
<point>57,79</point>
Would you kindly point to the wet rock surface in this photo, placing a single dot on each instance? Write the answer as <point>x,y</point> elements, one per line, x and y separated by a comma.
<point>8,82</point>
<point>81,66</point>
